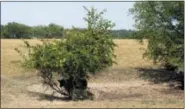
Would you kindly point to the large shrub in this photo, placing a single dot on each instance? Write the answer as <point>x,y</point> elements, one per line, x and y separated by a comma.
<point>162,23</point>
<point>74,58</point>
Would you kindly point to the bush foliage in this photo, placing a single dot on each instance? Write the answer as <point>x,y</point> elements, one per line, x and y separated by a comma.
<point>74,58</point>
<point>162,23</point>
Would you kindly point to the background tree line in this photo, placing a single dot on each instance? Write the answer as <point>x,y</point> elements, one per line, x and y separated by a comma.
<point>18,30</point>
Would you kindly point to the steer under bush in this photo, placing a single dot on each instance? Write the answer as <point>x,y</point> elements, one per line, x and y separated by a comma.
<point>77,89</point>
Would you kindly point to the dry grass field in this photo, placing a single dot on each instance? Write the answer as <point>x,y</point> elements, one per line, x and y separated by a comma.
<point>121,86</point>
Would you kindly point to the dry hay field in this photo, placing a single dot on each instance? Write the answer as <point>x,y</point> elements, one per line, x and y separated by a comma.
<point>122,86</point>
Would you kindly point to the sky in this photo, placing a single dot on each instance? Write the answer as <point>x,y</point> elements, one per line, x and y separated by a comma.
<point>66,14</point>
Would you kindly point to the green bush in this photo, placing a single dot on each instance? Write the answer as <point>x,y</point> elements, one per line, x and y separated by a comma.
<point>74,58</point>
<point>162,23</point>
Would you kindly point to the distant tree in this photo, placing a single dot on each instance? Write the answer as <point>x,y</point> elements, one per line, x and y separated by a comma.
<point>16,30</point>
<point>162,23</point>
<point>39,31</point>
<point>54,30</point>
<point>123,33</point>
<point>3,31</point>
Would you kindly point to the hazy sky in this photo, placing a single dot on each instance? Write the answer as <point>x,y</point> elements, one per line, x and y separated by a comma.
<point>66,14</point>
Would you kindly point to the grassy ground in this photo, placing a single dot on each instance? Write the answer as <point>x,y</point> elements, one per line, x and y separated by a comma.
<point>119,86</point>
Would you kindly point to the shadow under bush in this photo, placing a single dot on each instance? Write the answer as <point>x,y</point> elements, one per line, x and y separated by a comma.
<point>162,76</point>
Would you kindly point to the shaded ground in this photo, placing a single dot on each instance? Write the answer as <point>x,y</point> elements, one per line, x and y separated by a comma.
<point>159,75</point>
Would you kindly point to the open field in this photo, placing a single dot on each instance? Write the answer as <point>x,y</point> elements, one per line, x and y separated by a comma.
<point>119,86</point>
